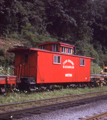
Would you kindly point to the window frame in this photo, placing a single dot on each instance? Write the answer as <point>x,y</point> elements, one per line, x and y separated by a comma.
<point>56,59</point>
<point>26,58</point>
<point>83,62</point>
<point>42,47</point>
<point>55,47</point>
<point>63,49</point>
<point>69,50</point>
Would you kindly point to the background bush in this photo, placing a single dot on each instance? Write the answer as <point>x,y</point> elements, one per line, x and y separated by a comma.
<point>81,22</point>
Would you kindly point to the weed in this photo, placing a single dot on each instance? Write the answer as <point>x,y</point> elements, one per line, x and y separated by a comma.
<point>21,97</point>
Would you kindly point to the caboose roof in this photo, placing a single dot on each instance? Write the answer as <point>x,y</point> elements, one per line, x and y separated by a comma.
<point>59,43</point>
<point>17,49</point>
<point>23,49</point>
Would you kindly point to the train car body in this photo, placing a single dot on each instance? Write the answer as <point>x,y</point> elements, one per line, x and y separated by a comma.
<point>52,63</point>
<point>8,81</point>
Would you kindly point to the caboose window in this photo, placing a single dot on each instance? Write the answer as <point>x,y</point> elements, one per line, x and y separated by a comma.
<point>42,47</point>
<point>57,59</point>
<point>26,58</point>
<point>55,47</point>
<point>82,62</point>
<point>69,51</point>
<point>63,49</point>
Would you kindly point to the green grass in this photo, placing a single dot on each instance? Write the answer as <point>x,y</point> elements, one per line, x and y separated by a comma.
<point>21,97</point>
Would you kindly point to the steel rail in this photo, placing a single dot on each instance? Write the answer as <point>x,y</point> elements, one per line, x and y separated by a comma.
<point>96,117</point>
<point>55,98</point>
<point>11,109</point>
<point>48,108</point>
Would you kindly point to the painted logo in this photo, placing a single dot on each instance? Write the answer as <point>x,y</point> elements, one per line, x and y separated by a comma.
<point>68,64</point>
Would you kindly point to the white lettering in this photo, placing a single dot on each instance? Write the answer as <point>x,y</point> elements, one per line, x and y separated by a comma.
<point>68,75</point>
<point>71,67</point>
<point>68,66</point>
<point>70,62</point>
<point>65,62</point>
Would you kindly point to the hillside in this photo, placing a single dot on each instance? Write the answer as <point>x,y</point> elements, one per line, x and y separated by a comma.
<point>9,43</point>
<point>30,22</point>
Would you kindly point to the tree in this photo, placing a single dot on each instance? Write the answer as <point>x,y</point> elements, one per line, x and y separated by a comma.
<point>68,18</point>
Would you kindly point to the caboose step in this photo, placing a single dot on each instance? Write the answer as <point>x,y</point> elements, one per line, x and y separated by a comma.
<point>32,89</point>
<point>2,90</point>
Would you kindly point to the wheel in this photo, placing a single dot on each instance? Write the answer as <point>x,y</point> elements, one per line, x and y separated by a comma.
<point>2,90</point>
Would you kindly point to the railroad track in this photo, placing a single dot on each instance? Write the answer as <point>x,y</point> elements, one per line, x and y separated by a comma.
<point>18,110</point>
<point>96,117</point>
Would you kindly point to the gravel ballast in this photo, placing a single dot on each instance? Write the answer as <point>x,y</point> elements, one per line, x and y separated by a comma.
<point>72,113</point>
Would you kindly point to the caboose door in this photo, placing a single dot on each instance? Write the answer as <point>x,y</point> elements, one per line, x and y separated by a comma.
<point>22,64</point>
<point>26,63</point>
<point>30,64</point>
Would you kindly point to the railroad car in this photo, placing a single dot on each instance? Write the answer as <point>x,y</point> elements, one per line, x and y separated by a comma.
<point>52,63</point>
<point>7,81</point>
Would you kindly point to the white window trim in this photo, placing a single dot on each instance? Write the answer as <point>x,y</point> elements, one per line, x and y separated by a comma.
<point>70,50</point>
<point>84,62</point>
<point>62,49</point>
<point>54,47</point>
<point>42,47</point>
<point>57,59</point>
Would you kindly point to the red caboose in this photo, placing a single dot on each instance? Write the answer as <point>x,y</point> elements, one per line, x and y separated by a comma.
<point>52,63</point>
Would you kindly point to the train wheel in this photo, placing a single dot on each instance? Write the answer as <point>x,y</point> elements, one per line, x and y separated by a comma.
<point>2,90</point>
<point>64,86</point>
<point>50,87</point>
<point>80,85</point>
<point>89,85</point>
<point>93,84</point>
<point>31,88</point>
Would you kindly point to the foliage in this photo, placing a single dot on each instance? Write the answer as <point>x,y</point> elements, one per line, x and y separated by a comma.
<point>87,49</point>
<point>80,22</point>
<point>21,97</point>
<point>95,69</point>
<point>29,33</point>
<point>2,57</point>
<point>5,70</point>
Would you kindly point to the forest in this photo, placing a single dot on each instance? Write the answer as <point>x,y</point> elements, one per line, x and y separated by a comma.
<point>82,23</point>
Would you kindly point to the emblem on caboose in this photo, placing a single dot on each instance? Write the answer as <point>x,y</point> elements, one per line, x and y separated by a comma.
<point>68,64</point>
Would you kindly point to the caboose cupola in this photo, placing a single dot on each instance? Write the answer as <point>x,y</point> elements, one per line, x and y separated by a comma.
<point>57,47</point>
